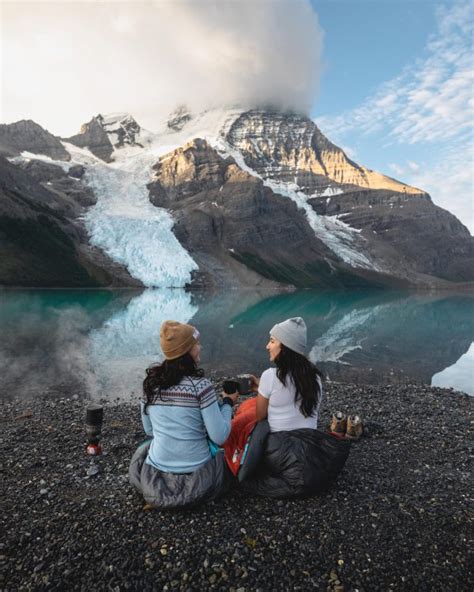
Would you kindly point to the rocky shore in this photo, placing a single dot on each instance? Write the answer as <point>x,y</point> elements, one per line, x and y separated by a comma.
<point>396,519</point>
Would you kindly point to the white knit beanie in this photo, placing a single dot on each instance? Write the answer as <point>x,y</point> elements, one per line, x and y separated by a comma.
<point>291,333</point>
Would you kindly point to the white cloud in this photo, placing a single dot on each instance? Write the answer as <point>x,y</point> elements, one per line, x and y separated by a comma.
<point>413,166</point>
<point>449,181</point>
<point>66,61</point>
<point>397,168</point>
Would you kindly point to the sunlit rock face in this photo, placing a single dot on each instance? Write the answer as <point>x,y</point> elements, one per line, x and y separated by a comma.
<point>194,168</point>
<point>227,211</point>
<point>290,147</point>
<point>21,136</point>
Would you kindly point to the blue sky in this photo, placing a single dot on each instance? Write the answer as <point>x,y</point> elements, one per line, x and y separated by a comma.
<point>367,42</point>
<point>397,92</point>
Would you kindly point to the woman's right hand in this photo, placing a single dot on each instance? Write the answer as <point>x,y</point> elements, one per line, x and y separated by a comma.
<point>254,382</point>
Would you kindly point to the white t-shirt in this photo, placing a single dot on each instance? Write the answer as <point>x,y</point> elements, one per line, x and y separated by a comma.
<point>283,414</point>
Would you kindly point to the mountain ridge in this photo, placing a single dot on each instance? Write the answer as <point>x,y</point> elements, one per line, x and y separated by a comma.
<point>362,227</point>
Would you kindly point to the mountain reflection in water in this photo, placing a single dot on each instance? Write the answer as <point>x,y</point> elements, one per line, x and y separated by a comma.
<point>98,343</point>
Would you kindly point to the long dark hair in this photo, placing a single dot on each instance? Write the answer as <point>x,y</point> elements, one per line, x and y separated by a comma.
<point>169,373</point>
<point>304,375</point>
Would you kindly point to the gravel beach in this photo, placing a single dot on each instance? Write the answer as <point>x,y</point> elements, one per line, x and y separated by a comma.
<point>398,518</point>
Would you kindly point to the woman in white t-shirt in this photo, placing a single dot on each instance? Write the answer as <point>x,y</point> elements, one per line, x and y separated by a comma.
<point>290,394</point>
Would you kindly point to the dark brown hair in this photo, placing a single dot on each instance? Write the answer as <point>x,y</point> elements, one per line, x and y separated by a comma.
<point>304,375</point>
<point>168,374</point>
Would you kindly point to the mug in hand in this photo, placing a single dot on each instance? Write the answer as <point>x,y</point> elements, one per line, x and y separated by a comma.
<point>240,383</point>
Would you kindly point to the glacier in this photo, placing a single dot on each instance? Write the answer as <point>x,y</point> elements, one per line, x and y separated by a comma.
<point>126,226</point>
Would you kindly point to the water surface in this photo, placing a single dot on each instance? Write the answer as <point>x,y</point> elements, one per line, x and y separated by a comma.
<point>97,343</point>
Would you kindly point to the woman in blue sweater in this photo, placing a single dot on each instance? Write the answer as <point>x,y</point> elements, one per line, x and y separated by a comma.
<point>180,410</point>
<point>179,467</point>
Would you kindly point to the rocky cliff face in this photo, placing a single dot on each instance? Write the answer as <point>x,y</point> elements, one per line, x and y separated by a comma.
<point>93,136</point>
<point>404,232</point>
<point>28,136</point>
<point>102,134</point>
<point>179,118</point>
<point>390,233</point>
<point>225,216</point>
<point>42,242</point>
<point>423,238</point>
<point>71,195</point>
<point>121,129</point>
<point>288,147</point>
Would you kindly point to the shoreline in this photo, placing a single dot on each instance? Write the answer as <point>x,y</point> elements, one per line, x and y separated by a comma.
<point>461,288</point>
<point>397,517</point>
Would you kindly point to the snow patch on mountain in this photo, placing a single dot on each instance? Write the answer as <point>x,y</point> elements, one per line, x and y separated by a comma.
<point>329,192</point>
<point>209,126</point>
<point>123,131</point>
<point>335,234</point>
<point>27,156</point>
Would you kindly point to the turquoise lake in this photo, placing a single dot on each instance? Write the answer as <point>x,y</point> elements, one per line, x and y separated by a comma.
<point>98,343</point>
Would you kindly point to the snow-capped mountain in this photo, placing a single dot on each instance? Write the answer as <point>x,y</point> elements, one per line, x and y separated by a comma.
<point>231,198</point>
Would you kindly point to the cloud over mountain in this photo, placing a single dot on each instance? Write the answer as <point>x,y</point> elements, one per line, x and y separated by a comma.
<point>84,57</point>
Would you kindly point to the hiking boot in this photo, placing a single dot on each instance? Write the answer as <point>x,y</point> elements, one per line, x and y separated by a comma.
<point>338,423</point>
<point>355,428</point>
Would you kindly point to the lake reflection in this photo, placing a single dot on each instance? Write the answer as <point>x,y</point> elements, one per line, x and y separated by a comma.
<point>98,343</point>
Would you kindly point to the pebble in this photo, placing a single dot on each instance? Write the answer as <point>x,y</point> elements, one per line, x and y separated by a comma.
<point>403,480</point>
<point>92,470</point>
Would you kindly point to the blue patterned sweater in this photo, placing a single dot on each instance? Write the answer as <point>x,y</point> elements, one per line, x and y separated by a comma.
<point>180,421</point>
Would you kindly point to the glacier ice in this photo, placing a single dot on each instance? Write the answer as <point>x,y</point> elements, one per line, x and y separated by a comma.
<point>127,227</point>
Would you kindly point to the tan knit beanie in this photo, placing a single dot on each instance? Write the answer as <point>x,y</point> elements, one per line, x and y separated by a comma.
<point>176,339</point>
